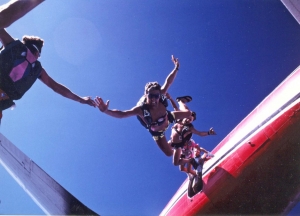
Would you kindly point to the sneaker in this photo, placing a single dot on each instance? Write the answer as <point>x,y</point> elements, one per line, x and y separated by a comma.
<point>184,99</point>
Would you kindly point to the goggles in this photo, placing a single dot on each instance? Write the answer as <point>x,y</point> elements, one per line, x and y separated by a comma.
<point>36,49</point>
<point>156,96</point>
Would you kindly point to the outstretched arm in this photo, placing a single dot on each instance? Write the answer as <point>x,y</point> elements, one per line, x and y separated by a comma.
<point>14,10</point>
<point>203,133</point>
<point>204,155</point>
<point>103,107</point>
<point>63,90</point>
<point>170,78</point>
<point>203,150</point>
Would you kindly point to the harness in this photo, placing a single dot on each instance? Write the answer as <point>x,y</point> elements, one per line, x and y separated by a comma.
<point>147,115</point>
<point>183,132</point>
<point>19,69</point>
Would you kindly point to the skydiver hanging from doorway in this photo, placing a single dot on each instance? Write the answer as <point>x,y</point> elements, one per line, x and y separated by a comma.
<point>196,183</point>
<point>19,65</point>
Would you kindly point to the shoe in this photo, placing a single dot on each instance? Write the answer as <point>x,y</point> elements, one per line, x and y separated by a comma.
<point>184,99</point>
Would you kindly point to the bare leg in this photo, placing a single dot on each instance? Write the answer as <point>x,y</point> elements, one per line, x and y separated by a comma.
<point>190,170</point>
<point>182,114</point>
<point>182,106</point>
<point>182,168</point>
<point>164,146</point>
<point>176,157</point>
<point>14,10</point>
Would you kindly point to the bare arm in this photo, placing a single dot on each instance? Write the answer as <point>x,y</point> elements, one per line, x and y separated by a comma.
<point>199,133</point>
<point>5,38</point>
<point>63,90</point>
<point>103,107</point>
<point>203,150</point>
<point>14,10</point>
<point>203,133</point>
<point>204,155</point>
<point>170,78</point>
<point>174,105</point>
<point>198,147</point>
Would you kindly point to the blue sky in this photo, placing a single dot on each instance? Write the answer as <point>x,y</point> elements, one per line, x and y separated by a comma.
<point>232,54</point>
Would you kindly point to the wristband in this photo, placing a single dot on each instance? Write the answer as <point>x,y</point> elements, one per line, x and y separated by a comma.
<point>208,133</point>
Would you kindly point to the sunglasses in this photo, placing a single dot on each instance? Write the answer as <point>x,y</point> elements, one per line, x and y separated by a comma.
<point>156,96</point>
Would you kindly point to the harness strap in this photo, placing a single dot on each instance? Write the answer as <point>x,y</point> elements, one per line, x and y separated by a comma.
<point>146,113</point>
<point>18,71</point>
<point>180,135</point>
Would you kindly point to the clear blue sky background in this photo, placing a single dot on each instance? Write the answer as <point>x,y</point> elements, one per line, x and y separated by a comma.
<point>232,53</point>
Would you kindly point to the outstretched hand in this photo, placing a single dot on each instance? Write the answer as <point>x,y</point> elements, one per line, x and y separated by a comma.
<point>101,105</point>
<point>88,101</point>
<point>211,131</point>
<point>176,62</point>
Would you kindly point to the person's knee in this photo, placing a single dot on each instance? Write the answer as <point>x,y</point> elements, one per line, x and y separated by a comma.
<point>169,154</point>
<point>176,163</point>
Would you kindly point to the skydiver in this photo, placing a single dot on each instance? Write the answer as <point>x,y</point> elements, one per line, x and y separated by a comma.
<point>189,151</point>
<point>151,111</point>
<point>195,182</point>
<point>183,130</point>
<point>19,65</point>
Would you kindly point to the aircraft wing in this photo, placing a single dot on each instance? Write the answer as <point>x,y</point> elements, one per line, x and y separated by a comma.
<point>294,8</point>
<point>255,170</point>
<point>49,195</point>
